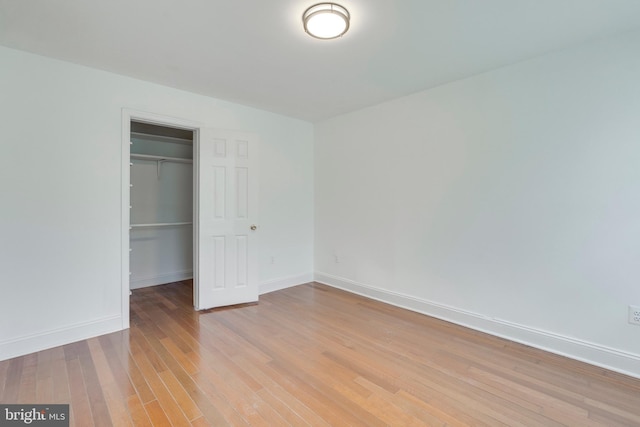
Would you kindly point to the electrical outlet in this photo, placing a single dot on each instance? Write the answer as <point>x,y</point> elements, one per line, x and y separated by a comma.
<point>634,314</point>
<point>273,259</point>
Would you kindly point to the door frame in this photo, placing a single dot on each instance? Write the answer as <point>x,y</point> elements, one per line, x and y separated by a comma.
<point>157,119</point>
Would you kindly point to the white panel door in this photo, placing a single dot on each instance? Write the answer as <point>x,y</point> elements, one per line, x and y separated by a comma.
<point>225,182</point>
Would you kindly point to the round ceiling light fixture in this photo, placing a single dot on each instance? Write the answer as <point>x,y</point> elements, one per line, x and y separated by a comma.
<point>326,20</point>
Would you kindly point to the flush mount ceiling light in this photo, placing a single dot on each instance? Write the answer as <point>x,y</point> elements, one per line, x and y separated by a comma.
<point>326,20</point>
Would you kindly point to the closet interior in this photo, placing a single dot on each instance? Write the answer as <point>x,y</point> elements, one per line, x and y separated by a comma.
<point>161,227</point>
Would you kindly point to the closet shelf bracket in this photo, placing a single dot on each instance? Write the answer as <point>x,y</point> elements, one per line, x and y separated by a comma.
<point>159,166</point>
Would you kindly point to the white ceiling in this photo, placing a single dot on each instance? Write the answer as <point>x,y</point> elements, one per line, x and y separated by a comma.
<point>255,52</point>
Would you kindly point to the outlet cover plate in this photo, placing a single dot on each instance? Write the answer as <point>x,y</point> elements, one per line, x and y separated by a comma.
<point>634,314</point>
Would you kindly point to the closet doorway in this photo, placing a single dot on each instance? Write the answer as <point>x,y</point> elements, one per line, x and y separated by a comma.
<point>207,231</point>
<point>161,220</point>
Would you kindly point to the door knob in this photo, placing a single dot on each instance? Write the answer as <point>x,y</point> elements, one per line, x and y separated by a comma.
<point>253,227</point>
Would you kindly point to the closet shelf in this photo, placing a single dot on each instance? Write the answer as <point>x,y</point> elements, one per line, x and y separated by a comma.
<point>163,138</point>
<point>160,158</point>
<point>161,224</point>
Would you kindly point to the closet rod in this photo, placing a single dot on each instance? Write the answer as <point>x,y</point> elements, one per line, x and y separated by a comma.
<point>161,224</point>
<point>160,158</point>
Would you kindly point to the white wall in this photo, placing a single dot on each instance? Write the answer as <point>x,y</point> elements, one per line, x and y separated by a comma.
<point>509,201</point>
<point>60,216</point>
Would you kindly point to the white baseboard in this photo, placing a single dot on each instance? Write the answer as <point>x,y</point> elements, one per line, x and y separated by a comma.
<point>283,283</point>
<point>161,279</point>
<point>594,354</point>
<point>61,336</point>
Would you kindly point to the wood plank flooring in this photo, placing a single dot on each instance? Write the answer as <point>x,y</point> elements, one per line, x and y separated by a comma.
<point>311,356</point>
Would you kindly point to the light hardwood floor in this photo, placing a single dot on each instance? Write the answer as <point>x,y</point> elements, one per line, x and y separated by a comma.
<point>311,355</point>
